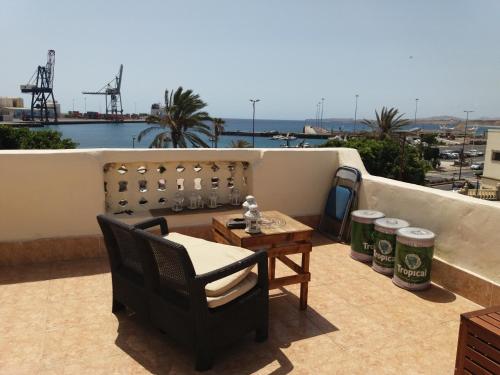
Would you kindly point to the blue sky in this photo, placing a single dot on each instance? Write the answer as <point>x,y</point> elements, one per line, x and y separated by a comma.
<point>287,53</point>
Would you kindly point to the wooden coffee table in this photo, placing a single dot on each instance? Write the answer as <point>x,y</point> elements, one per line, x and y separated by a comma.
<point>279,241</point>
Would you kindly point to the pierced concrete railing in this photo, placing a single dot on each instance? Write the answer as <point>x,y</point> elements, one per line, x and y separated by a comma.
<point>173,186</point>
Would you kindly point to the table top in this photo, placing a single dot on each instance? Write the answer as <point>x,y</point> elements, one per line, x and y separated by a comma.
<point>291,230</point>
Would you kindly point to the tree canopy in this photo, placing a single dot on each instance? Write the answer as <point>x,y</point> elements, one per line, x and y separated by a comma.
<point>23,138</point>
<point>183,121</point>
<point>386,158</point>
<point>387,122</point>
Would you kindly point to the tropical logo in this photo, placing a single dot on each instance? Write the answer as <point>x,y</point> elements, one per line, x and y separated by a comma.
<point>385,247</point>
<point>413,261</point>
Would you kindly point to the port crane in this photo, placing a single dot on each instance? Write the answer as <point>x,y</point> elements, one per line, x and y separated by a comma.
<point>41,88</point>
<point>111,89</point>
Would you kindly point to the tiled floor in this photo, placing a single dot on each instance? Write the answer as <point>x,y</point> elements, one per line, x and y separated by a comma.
<point>56,319</point>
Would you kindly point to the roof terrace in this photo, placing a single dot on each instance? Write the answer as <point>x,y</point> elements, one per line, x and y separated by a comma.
<point>55,283</point>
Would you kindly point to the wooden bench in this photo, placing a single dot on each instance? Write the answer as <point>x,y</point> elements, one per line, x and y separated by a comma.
<point>478,350</point>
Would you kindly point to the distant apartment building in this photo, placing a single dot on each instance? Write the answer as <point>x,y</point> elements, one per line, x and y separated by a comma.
<point>491,172</point>
<point>13,109</point>
<point>10,108</point>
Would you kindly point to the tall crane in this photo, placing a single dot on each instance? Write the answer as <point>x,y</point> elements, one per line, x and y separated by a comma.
<point>111,89</point>
<point>41,88</point>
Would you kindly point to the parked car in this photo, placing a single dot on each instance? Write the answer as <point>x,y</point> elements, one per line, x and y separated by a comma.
<point>446,154</point>
<point>473,153</point>
<point>477,166</point>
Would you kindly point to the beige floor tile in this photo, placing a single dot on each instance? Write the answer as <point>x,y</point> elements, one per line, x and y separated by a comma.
<point>357,322</point>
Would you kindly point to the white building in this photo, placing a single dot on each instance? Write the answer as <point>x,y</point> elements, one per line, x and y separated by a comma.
<point>157,110</point>
<point>491,172</point>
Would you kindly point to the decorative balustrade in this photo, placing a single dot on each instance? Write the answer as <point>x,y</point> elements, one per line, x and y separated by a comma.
<point>155,186</point>
<point>486,194</point>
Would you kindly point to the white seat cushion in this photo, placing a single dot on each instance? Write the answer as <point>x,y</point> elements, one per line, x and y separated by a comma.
<point>209,256</point>
<point>239,289</point>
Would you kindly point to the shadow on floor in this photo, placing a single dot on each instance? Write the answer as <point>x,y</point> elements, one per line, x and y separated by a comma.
<point>158,354</point>
<point>55,270</point>
<point>436,294</point>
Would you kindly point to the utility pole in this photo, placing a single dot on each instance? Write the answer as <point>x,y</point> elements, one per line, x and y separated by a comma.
<point>253,101</point>
<point>463,144</point>
<point>355,112</point>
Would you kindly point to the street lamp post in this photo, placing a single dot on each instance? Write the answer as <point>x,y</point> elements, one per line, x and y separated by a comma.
<point>416,109</point>
<point>463,144</point>
<point>316,121</point>
<point>253,101</point>
<point>322,104</point>
<point>355,112</point>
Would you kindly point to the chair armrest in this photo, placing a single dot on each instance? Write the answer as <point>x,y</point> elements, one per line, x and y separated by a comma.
<point>150,223</point>
<point>260,258</point>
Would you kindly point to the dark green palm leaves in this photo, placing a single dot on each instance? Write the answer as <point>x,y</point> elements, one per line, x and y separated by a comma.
<point>387,122</point>
<point>182,123</point>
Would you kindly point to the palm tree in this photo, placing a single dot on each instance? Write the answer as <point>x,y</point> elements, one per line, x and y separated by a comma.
<point>183,119</point>
<point>387,122</point>
<point>218,129</point>
<point>240,143</point>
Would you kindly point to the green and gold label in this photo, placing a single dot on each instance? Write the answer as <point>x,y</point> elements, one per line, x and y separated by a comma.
<point>413,264</point>
<point>384,249</point>
<point>362,238</point>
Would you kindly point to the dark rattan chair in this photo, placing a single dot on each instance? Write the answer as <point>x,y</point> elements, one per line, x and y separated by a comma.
<point>178,302</point>
<point>126,266</point>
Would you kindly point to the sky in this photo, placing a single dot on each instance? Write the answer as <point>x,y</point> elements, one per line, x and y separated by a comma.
<point>289,54</point>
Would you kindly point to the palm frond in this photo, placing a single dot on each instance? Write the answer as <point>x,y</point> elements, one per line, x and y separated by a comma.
<point>195,140</point>
<point>146,131</point>
<point>160,140</point>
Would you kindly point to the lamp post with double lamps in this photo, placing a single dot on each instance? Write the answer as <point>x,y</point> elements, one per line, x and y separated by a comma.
<point>416,109</point>
<point>322,104</point>
<point>253,101</point>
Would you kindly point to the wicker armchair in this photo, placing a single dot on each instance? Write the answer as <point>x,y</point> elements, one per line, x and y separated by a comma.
<point>178,301</point>
<point>126,267</point>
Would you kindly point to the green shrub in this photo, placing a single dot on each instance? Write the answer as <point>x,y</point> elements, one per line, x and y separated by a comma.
<point>383,158</point>
<point>25,139</point>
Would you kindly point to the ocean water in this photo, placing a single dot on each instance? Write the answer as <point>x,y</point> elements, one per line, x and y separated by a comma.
<point>120,135</point>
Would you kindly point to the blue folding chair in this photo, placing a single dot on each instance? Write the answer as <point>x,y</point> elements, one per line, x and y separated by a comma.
<point>339,204</point>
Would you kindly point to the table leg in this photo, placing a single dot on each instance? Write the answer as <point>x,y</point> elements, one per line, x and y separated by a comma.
<point>272,268</point>
<point>304,287</point>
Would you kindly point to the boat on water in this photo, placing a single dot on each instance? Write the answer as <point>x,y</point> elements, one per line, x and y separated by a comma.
<point>278,137</point>
<point>302,144</point>
<point>281,137</point>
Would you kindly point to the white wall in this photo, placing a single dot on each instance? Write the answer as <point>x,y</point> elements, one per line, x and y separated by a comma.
<point>47,194</point>
<point>491,173</point>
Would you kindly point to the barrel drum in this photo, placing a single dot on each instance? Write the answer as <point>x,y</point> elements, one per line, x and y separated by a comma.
<point>384,248</point>
<point>362,234</point>
<point>413,260</point>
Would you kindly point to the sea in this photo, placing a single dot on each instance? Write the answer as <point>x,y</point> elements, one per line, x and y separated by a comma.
<point>125,135</point>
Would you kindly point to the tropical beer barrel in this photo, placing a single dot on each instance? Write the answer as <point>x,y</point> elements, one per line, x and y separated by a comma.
<point>414,252</point>
<point>384,247</point>
<point>362,230</point>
